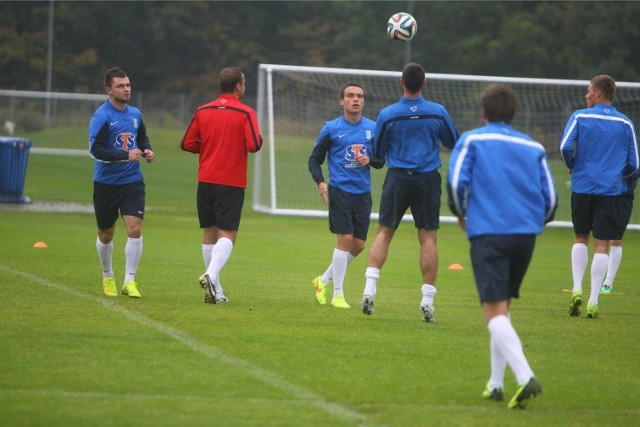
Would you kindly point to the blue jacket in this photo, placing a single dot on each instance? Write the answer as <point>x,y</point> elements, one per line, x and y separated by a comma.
<point>408,134</point>
<point>499,178</point>
<point>600,148</point>
<point>112,134</point>
<point>341,140</point>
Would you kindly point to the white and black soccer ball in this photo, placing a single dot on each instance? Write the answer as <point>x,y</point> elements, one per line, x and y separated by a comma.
<point>402,27</point>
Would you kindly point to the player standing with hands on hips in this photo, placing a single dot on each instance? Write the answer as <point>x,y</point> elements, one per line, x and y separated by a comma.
<point>222,132</point>
<point>408,135</point>
<point>118,141</point>
<point>502,191</point>
<point>600,148</point>
<point>348,143</point>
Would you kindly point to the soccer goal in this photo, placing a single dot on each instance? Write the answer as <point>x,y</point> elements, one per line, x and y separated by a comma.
<point>294,102</point>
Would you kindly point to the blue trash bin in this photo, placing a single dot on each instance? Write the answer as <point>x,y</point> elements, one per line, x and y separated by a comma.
<point>14,155</point>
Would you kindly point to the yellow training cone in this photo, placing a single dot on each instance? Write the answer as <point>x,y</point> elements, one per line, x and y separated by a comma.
<point>42,245</point>
<point>456,267</point>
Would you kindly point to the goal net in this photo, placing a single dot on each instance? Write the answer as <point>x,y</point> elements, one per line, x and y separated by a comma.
<point>294,102</point>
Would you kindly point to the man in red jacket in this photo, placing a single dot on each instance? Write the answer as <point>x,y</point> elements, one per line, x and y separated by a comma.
<point>222,132</point>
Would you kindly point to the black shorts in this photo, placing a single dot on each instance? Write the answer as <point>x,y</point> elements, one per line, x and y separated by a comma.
<point>404,189</point>
<point>500,263</point>
<point>219,206</point>
<point>606,217</point>
<point>349,213</point>
<point>108,200</point>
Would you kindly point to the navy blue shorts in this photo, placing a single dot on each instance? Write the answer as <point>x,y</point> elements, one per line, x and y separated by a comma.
<point>349,213</point>
<point>109,200</point>
<point>606,217</point>
<point>219,206</point>
<point>403,189</point>
<point>500,263</point>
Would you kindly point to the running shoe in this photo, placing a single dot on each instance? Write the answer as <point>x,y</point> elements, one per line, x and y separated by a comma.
<point>530,389</point>
<point>339,301</point>
<point>321,290</point>
<point>131,289</point>
<point>109,287</point>
<point>575,303</point>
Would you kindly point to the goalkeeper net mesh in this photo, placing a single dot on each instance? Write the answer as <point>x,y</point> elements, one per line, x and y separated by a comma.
<point>294,103</point>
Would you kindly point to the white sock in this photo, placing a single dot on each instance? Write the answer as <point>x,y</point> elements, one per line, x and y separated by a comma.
<point>579,261</point>
<point>372,275</point>
<point>339,270</point>
<point>105,254</point>
<point>615,256</point>
<point>132,255</point>
<point>498,365</point>
<point>327,276</point>
<point>508,343</point>
<point>428,292</point>
<point>206,256</point>
<point>219,256</point>
<point>598,270</point>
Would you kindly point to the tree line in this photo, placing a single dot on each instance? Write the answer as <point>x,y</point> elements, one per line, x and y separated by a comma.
<point>180,46</point>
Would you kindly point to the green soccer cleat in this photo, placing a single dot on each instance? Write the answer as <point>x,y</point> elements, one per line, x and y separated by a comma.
<point>338,301</point>
<point>496,393</point>
<point>592,310</point>
<point>575,303</point>
<point>321,290</point>
<point>109,287</point>
<point>131,289</point>
<point>530,389</point>
<point>366,306</point>
<point>606,289</point>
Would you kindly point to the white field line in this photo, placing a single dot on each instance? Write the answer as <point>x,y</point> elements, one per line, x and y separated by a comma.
<point>60,151</point>
<point>212,353</point>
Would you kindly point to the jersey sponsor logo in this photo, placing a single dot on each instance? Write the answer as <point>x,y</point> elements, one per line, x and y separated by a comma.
<point>352,151</point>
<point>113,123</point>
<point>125,141</point>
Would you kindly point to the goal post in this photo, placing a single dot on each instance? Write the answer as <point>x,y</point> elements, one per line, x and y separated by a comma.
<point>294,102</point>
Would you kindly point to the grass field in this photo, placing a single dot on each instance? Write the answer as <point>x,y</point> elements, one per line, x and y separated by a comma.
<point>71,357</point>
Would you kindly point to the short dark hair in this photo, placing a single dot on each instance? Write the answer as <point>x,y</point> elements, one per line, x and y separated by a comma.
<point>228,79</point>
<point>499,103</point>
<point>606,84</point>
<point>348,85</point>
<point>111,73</point>
<point>414,77</point>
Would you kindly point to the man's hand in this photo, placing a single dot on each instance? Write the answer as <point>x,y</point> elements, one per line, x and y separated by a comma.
<point>323,188</point>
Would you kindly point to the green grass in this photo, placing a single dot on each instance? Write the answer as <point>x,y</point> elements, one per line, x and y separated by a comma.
<point>71,357</point>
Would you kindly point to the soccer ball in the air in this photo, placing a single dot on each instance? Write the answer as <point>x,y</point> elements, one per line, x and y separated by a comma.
<point>402,27</point>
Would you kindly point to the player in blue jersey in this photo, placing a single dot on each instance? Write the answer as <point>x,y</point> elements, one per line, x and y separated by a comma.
<point>118,141</point>
<point>600,148</point>
<point>408,136</point>
<point>347,143</point>
<point>502,191</point>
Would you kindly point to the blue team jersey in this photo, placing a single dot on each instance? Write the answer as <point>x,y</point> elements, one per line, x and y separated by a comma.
<point>341,140</point>
<point>500,179</point>
<point>600,148</point>
<point>408,134</point>
<point>112,134</point>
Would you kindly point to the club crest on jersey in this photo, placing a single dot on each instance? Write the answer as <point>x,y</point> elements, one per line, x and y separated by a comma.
<point>125,141</point>
<point>413,108</point>
<point>368,134</point>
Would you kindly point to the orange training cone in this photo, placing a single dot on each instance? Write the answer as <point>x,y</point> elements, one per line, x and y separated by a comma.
<point>456,267</point>
<point>41,245</point>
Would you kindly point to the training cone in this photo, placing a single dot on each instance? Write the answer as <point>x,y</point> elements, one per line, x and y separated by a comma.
<point>41,245</point>
<point>456,267</point>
